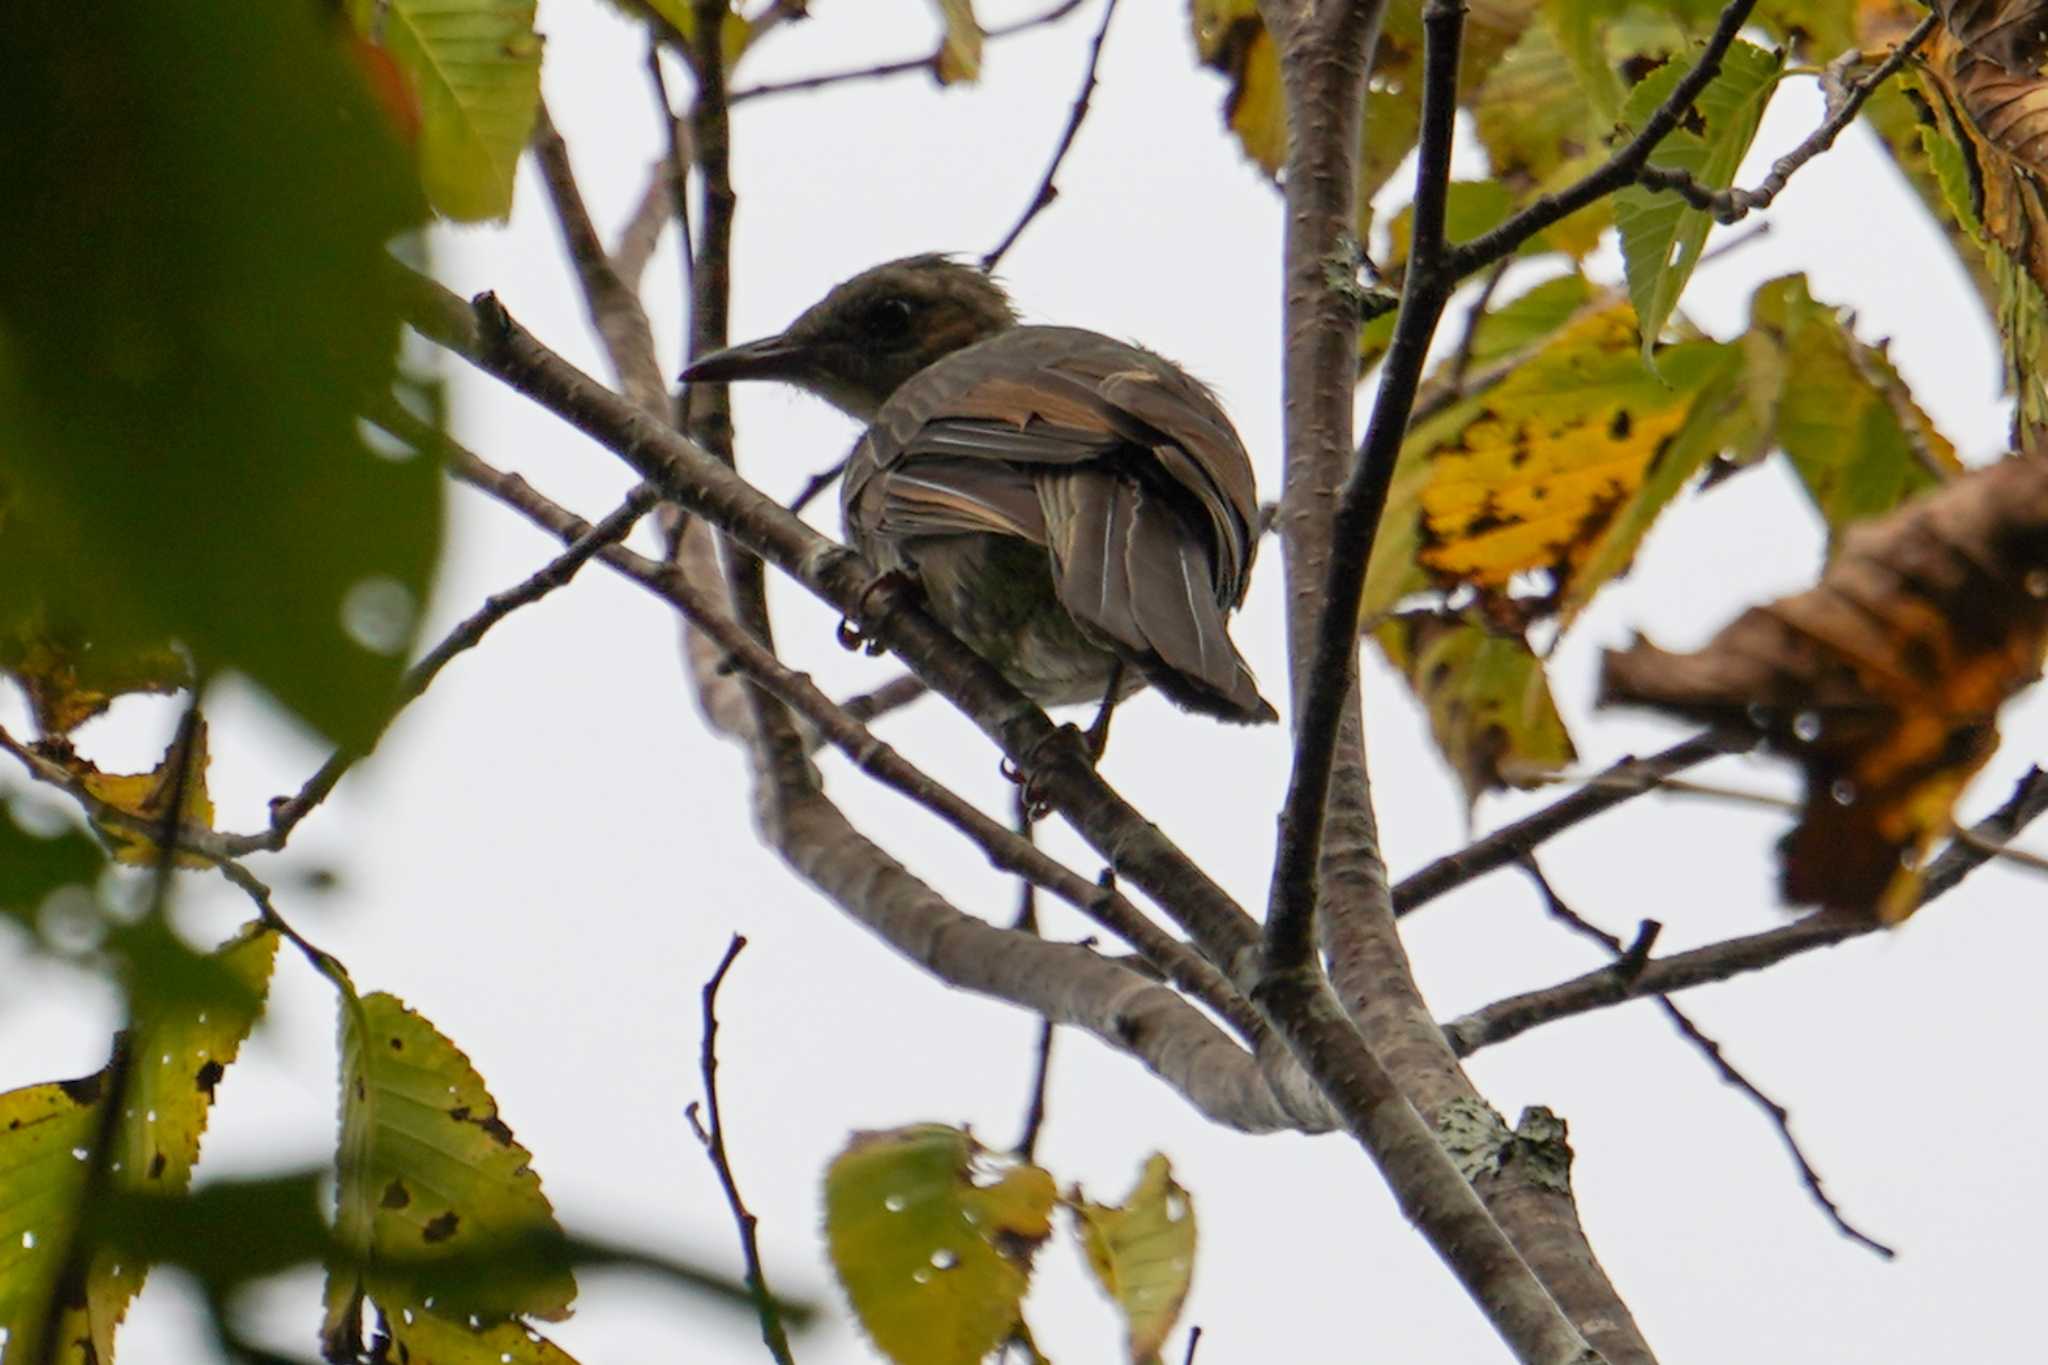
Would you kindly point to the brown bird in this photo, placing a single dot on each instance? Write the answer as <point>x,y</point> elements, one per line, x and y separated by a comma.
<point>1078,510</point>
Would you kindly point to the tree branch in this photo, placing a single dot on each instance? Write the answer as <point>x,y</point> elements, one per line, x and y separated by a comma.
<point>901,67</point>
<point>1620,169</point>
<point>1733,205</point>
<point>1516,1015</point>
<point>1624,781</point>
<point>1047,192</point>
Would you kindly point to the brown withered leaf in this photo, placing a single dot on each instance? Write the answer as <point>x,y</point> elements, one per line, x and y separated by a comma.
<point>1883,681</point>
<point>1998,115</point>
<point>2012,33</point>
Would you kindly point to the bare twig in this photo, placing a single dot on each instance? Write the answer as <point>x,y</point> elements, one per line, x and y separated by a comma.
<point>1461,359</point>
<point>1618,170</point>
<point>765,1306</point>
<point>1780,1117</point>
<point>1733,205</point>
<point>1624,781</point>
<point>890,696</point>
<point>1047,191</point>
<point>1516,1015</point>
<point>1041,1069</point>
<point>634,248</point>
<point>896,68</point>
<point>286,813</point>
<point>815,485</point>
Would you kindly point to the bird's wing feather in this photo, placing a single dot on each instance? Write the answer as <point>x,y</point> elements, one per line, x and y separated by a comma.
<point>952,496</point>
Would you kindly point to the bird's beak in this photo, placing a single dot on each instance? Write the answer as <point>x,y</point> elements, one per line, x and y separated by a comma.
<point>773,357</point>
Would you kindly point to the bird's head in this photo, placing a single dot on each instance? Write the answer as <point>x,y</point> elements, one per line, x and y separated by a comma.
<point>858,344</point>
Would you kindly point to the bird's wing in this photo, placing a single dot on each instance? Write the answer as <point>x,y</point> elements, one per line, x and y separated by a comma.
<point>1047,397</point>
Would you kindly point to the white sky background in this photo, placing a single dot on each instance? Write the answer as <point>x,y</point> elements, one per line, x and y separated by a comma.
<point>549,853</point>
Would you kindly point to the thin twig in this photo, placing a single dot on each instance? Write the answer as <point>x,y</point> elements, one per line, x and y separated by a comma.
<point>1618,170</point>
<point>890,696</point>
<point>285,814</point>
<point>680,157</point>
<point>765,1306</point>
<point>1027,922</point>
<point>1516,1015</point>
<point>1047,191</point>
<point>1780,1117</point>
<point>815,485</point>
<point>1733,205</point>
<point>901,67</point>
<point>1461,359</point>
<point>1194,1340</point>
<point>1624,781</point>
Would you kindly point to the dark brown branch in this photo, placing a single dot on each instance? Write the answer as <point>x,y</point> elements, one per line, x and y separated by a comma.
<point>765,1307</point>
<point>890,696</point>
<point>1780,1117</point>
<point>1047,191</point>
<point>901,67</point>
<point>815,485</point>
<point>1516,1015</point>
<point>1733,205</point>
<point>1619,170</point>
<point>1329,679</point>
<point>1624,781</point>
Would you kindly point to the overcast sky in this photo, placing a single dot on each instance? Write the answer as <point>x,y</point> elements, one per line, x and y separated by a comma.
<point>549,853</point>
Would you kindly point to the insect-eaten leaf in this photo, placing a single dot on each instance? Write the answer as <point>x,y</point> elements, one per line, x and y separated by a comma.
<point>438,1207</point>
<point>68,681</point>
<point>1489,703</point>
<point>1142,1253</point>
<point>166,1068</point>
<point>932,1237</point>
<point>1840,412</point>
<point>145,798</point>
<point>1883,681</point>
<point>1661,237</point>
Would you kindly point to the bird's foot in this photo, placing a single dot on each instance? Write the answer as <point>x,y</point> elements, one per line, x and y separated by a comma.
<point>851,634</point>
<point>1028,773</point>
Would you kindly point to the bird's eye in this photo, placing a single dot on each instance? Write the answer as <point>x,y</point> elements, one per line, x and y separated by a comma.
<point>887,319</point>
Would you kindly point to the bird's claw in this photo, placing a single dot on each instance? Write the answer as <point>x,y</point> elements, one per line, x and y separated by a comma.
<point>1027,774</point>
<point>851,636</point>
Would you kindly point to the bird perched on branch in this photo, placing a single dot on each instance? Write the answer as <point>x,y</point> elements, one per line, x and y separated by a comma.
<point>1077,510</point>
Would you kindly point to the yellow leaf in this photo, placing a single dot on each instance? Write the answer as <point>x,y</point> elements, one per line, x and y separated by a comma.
<point>1142,1253</point>
<point>1540,468</point>
<point>1490,708</point>
<point>43,1130</point>
<point>959,56</point>
<point>932,1238</point>
<point>147,797</point>
<point>429,1173</point>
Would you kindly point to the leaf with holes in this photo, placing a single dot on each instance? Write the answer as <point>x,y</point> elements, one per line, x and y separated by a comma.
<point>932,1238</point>
<point>430,1174</point>
<point>1661,237</point>
<point>1142,1253</point>
<point>1883,681</point>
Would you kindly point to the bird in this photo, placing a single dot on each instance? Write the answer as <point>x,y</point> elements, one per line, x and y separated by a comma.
<point>1076,509</point>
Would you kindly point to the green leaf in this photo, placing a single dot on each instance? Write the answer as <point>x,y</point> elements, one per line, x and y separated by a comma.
<point>1530,316</point>
<point>1843,416</point>
<point>932,1240</point>
<point>475,65</point>
<point>32,866</point>
<point>428,1172</point>
<point>1489,703</point>
<point>1142,1253</point>
<point>43,1131</point>
<point>189,321</point>
<point>1661,238</point>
